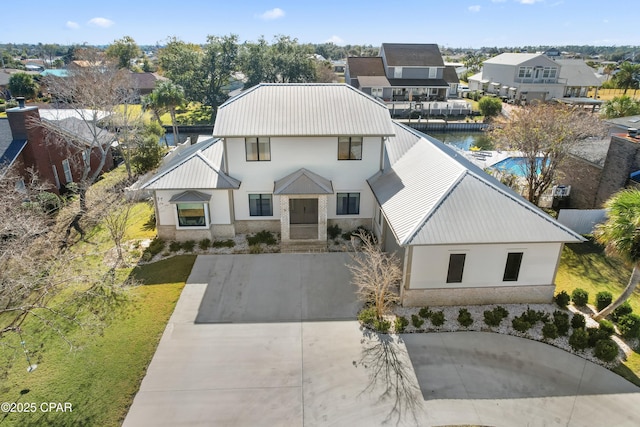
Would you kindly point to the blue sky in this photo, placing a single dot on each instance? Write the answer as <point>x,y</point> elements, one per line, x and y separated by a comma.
<point>449,23</point>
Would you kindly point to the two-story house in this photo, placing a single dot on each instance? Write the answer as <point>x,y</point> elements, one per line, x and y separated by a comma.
<point>520,77</point>
<point>403,72</point>
<point>297,158</point>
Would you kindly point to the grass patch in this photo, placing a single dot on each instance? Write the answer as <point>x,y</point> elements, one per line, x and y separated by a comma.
<point>101,377</point>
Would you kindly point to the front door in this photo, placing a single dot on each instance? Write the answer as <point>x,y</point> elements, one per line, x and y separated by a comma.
<point>303,211</point>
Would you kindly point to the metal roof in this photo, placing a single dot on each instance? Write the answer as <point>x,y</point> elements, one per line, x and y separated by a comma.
<point>582,221</point>
<point>303,181</point>
<point>190,196</point>
<point>515,58</point>
<point>432,195</point>
<point>305,109</point>
<point>199,166</point>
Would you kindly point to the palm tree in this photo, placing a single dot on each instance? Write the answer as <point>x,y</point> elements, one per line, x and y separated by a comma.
<point>620,106</point>
<point>620,235</point>
<point>168,95</point>
<point>628,76</point>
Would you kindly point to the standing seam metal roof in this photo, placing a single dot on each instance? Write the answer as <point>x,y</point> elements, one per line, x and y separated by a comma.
<point>302,110</point>
<point>432,195</point>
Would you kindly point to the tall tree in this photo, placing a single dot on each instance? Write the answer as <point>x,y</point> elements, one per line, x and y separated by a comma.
<point>255,62</point>
<point>220,62</point>
<point>181,62</point>
<point>628,76</point>
<point>168,96</point>
<point>123,51</point>
<point>23,84</point>
<point>490,106</point>
<point>620,106</point>
<point>92,93</point>
<point>293,63</point>
<point>620,234</point>
<point>544,134</point>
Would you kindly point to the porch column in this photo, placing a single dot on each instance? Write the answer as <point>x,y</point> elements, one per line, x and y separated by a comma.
<point>284,218</point>
<point>322,218</point>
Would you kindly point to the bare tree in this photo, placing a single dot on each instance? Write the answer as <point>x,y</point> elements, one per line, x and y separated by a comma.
<point>116,224</point>
<point>544,133</point>
<point>92,92</point>
<point>375,273</point>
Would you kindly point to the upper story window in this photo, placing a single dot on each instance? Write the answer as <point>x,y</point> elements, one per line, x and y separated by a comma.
<point>525,72</point>
<point>376,91</point>
<point>397,72</point>
<point>350,148</point>
<point>549,72</point>
<point>258,149</point>
<point>433,72</point>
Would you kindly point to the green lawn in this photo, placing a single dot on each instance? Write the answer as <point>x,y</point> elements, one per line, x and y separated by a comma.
<point>586,266</point>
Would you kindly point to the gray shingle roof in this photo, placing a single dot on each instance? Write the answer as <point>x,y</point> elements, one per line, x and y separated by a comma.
<point>302,110</point>
<point>373,81</point>
<point>199,166</point>
<point>432,195</point>
<point>412,55</point>
<point>365,66</point>
<point>303,181</point>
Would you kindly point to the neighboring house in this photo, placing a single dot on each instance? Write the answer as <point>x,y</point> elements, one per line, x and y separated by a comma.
<point>578,77</point>
<point>5,75</point>
<point>520,77</point>
<point>145,83</point>
<point>403,72</point>
<point>297,158</point>
<point>27,145</point>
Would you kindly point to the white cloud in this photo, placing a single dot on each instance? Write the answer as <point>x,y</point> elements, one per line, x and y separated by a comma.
<point>528,1</point>
<point>101,22</point>
<point>335,40</point>
<point>474,8</point>
<point>72,25</point>
<point>272,14</point>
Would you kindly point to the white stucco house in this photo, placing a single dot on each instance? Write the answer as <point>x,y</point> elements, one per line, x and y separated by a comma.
<point>297,158</point>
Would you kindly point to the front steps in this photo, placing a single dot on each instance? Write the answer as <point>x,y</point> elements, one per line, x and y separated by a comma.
<point>303,246</point>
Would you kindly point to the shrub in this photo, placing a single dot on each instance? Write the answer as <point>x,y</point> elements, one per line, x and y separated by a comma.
<point>464,318</point>
<point>155,247</point>
<point>223,243</point>
<point>437,318</point>
<point>333,231</point>
<point>561,322</point>
<point>629,326</point>
<point>580,297</point>
<point>255,249</point>
<point>532,316</point>
<point>263,236</point>
<point>562,299</point>
<point>425,313</point>
<point>416,321</point>
<point>621,310</point>
<point>494,317</point>
<point>382,325</point>
<point>606,350</point>
<point>596,335</point>
<point>550,331</point>
<point>607,327</point>
<point>579,339</point>
<point>175,246</point>
<point>520,324</point>
<point>577,321</point>
<point>367,315</point>
<point>400,324</point>
<point>603,299</point>
<point>204,244</point>
<point>188,245</point>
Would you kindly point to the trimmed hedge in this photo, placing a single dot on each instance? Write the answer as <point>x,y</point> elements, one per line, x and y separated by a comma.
<point>580,297</point>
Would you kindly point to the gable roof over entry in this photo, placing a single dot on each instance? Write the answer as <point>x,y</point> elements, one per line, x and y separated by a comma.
<point>303,181</point>
<point>432,195</point>
<point>305,109</point>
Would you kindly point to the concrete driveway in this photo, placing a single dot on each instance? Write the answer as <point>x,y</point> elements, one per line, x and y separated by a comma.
<point>315,373</point>
<point>277,288</point>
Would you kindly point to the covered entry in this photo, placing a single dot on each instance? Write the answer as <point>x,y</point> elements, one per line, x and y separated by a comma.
<point>303,206</point>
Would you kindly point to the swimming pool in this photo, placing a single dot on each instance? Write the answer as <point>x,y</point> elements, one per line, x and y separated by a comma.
<point>516,165</point>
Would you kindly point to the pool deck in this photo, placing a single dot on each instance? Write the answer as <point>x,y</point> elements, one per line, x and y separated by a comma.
<point>486,159</point>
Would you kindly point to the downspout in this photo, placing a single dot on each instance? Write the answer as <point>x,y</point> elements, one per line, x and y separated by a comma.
<point>406,276</point>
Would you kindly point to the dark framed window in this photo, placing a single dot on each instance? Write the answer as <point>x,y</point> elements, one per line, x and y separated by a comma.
<point>512,269</point>
<point>260,205</point>
<point>258,149</point>
<point>348,204</point>
<point>350,148</point>
<point>192,215</point>
<point>456,268</point>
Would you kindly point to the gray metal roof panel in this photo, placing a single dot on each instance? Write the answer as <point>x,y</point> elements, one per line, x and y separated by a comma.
<point>303,181</point>
<point>190,196</point>
<point>577,73</point>
<point>302,110</point>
